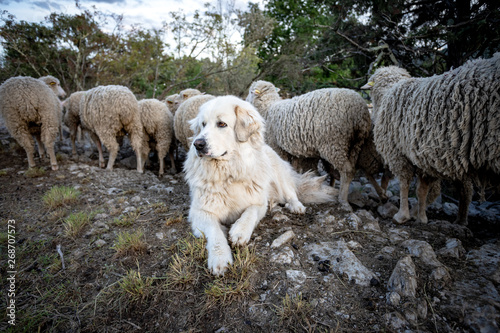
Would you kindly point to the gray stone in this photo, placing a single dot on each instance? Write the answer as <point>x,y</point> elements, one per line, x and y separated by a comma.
<point>343,260</point>
<point>403,278</point>
<point>285,256</point>
<point>423,250</point>
<point>453,249</point>
<point>297,277</point>
<point>284,238</point>
<point>387,210</point>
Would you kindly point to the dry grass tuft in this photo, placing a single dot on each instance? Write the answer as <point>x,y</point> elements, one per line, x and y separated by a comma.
<point>130,243</point>
<point>59,196</point>
<point>134,286</point>
<point>75,222</point>
<point>35,172</point>
<point>294,311</point>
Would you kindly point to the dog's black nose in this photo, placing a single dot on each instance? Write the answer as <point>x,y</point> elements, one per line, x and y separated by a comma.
<point>200,144</point>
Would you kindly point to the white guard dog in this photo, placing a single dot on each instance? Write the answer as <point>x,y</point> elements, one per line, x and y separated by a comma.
<point>234,176</point>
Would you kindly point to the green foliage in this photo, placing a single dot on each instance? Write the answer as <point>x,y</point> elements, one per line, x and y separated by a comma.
<point>299,45</point>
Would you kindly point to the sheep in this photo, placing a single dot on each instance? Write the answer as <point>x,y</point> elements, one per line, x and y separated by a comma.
<point>107,112</point>
<point>442,127</point>
<point>72,116</point>
<point>31,107</point>
<point>172,102</point>
<point>188,110</point>
<point>158,124</point>
<point>330,123</point>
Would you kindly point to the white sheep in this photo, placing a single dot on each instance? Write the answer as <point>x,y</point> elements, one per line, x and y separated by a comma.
<point>31,107</point>
<point>158,123</point>
<point>108,112</point>
<point>172,102</point>
<point>72,116</point>
<point>188,110</point>
<point>331,124</point>
<point>442,127</point>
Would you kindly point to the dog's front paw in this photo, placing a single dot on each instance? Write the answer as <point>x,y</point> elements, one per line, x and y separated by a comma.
<point>219,258</point>
<point>296,207</point>
<point>240,234</point>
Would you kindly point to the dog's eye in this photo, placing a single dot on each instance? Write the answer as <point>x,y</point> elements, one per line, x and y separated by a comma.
<point>221,124</point>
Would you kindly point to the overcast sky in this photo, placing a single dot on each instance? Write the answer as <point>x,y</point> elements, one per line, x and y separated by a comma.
<point>148,13</point>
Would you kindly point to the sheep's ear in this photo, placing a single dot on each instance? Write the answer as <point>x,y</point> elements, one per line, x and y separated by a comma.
<point>368,86</point>
<point>246,125</point>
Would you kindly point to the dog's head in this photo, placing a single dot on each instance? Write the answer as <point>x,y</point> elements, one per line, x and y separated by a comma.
<point>223,124</point>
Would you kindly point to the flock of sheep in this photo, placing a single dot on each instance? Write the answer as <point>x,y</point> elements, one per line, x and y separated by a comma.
<point>442,127</point>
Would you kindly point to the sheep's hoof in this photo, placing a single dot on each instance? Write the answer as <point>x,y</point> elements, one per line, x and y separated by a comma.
<point>400,218</point>
<point>55,167</point>
<point>423,220</point>
<point>461,221</point>
<point>344,205</point>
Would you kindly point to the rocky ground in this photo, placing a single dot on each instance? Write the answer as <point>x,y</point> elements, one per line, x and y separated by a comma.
<point>329,270</point>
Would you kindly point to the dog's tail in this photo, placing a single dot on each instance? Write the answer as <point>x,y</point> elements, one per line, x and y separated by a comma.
<point>312,189</point>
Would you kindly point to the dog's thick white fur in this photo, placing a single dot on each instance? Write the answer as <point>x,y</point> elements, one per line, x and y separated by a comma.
<point>234,176</point>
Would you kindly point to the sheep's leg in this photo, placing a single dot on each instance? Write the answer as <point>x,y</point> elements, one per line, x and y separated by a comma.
<point>23,137</point>
<point>41,150</point>
<point>49,136</point>
<point>145,155</point>
<point>73,131</point>
<point>110,142</point>
<point>403,214</point>
<point>98,144</point>
<point>137,139</point>
<point>346,177</point>
<point>172,161</point>
<point>386,177</point>
<point>423,187</point>
<point>380,191</point>
<point>161,156</point>
<point>465,198</point>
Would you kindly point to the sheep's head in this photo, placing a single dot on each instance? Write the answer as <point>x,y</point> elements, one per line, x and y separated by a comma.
<point>260,90</point>
<point>53,84</point>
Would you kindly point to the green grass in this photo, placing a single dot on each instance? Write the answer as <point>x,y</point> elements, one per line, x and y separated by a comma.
<point>35,172</point>
<point>127,219</point>
<point>129,243</point>
<point>75,222</point>
<point>59,196</point>
<point>294,311</point>
<point>3,173</point>
<point>134,286</point>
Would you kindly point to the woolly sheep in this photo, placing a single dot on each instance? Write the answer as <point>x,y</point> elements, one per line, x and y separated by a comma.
<point>72,116</point>
<point>172,102</point>
<point>188,110</point>
<point>107,112</point>
<point>442,127</point>
<point>158,123</point>
<point>331,124</point>
<point>31,107</point>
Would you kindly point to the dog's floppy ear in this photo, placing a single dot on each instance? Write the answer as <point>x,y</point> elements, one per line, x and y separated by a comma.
<point>247,123</point>
<point>194,124</point>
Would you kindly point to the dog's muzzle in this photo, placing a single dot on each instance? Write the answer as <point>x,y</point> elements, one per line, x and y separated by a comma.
<point>200,145</point>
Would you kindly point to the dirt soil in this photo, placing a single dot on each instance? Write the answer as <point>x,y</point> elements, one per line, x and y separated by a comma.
<point>89,294</point>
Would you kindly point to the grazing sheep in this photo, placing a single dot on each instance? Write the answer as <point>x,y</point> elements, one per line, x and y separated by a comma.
<point>442,127</point>
<point>107,112</point>
<point>31,107</point>
<point>172,102</point>
<point>158,123</point>
<point>331,124</point>
<point>188,110</point>
<point>72,116</point>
